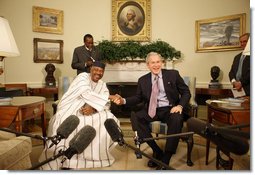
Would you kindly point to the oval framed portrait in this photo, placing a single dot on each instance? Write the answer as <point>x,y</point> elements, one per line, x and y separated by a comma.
<point>131,20</point>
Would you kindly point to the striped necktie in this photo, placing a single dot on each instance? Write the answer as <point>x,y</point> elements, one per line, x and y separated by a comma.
<point>153,98</point>
<point>239,70</point>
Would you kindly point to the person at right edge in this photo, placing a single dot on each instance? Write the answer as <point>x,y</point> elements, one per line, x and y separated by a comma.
<point>171,106</point>
<point>239,74</point>
<point>85,55</point>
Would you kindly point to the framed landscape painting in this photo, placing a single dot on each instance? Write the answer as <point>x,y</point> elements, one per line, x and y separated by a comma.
<point>47,20</point>
<point>48,51</point>
<point>220,34</point>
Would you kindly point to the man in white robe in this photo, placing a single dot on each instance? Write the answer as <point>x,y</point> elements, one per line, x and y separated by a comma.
<point>87,98</point>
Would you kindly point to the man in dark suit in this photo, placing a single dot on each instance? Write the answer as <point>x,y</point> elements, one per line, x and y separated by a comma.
<point>172,104</point>
<point>240,75</point>
<point>84,56</point>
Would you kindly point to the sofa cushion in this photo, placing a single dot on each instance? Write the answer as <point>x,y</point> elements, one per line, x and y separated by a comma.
<point>14,153</point>
<point>6,135</point>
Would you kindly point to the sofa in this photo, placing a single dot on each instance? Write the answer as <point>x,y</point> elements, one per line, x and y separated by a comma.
<point>14,151</point>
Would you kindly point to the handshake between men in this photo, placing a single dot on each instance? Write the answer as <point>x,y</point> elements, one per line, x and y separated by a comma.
<point>117,99</point>
<point>86,109</point>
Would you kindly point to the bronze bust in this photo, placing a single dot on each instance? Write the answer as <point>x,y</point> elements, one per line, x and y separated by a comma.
<point>215,73</point>
<point>49,79</point>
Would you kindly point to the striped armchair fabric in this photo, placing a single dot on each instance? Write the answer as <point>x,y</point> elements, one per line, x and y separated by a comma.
<point>63,85</point>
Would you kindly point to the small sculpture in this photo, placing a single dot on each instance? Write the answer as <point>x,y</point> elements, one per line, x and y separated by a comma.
<point>215,72</point>
<point>49,79</point>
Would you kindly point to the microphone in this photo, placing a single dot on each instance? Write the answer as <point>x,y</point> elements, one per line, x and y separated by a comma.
<point>226,142</point>
<point>116,134</point>
<point>76,146</point>
<point>80,141</point>
<point>114,131</point>
<point>65,129</point>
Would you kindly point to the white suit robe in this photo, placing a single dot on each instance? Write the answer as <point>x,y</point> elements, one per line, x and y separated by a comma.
<point>97,153</point>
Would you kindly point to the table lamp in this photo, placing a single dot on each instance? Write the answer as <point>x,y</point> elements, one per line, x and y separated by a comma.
<point>8,47</point>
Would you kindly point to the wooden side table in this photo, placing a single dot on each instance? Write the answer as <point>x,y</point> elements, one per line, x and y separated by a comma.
<point>228,115</point>
<point>203,94</point>
<point>44,91</point>
<point>26,107</point>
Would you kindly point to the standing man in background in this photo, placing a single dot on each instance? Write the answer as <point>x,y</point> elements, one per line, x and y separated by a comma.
<point>239,74</point>
<point>84,56</point>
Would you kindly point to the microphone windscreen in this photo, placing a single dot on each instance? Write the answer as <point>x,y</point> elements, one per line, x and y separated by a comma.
<point>113,130</point>
<point>68,126</point>
<point>225,142</point>
<point>197,126</point>
<point>82,139</point>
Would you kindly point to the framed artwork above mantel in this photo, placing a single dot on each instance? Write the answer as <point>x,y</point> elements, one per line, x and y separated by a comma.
<point>131,20</point>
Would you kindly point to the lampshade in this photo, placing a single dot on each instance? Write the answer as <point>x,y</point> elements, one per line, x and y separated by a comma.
<point>8,47</point>
<point>246,50</point>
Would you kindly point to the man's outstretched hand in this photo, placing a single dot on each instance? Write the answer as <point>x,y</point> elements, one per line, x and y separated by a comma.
<point>117,99</point>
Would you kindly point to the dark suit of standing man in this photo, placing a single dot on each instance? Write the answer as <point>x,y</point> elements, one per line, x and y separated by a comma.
<point>244,80</point>
<point>84,56</point>
<point>172,105</point>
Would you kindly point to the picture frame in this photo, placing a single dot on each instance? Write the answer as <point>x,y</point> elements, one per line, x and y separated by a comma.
<point>48,50</point>
<point>131,20</point>
<point>47,20</point>
<point>220,34</point>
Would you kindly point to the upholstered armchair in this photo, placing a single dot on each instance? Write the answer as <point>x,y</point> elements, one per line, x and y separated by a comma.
<point>14,151</point>
<point>63,84</point>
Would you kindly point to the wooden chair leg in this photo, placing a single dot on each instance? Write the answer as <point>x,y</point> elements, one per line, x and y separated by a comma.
<point>190,142</point>
<point>207,151</point>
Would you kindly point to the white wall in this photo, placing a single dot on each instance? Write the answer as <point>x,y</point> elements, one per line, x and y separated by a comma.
<point>172,21</point>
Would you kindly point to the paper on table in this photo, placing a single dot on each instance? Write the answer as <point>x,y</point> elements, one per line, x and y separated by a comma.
<point>237,93</point>
<point>216,101</point>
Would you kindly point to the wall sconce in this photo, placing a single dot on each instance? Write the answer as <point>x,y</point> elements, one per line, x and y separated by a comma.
<point>8,47</point>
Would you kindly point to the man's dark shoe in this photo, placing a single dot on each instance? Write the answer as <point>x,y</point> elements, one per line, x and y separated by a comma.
<point>160,168</point>
<point>157,156</point>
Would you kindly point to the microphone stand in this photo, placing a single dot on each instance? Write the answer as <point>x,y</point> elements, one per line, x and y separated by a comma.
<point>26,134</point>
<point>167,136</point>
<point>146,155</point>
<point>61,153</point>
<point>138,141</point>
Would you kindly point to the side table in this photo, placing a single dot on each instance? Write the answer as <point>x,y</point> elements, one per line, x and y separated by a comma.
<point>23,108</point>
<point>44,91</point>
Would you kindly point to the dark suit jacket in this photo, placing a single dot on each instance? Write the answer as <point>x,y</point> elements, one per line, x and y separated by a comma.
<point>81,55</point>
<point>245,79</point>
<point>176,90</point>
